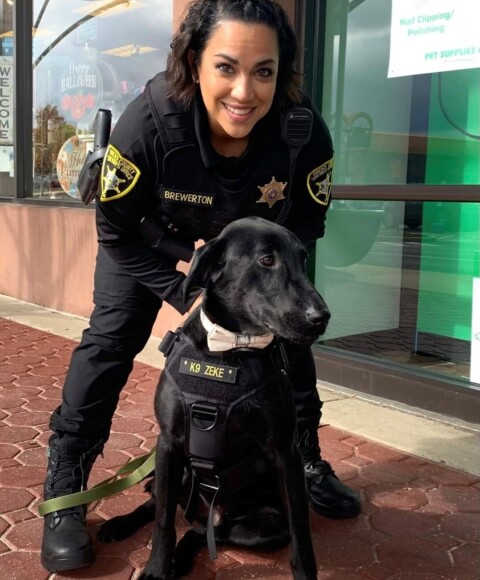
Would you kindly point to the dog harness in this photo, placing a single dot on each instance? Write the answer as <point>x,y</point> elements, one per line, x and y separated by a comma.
<point>211,386</point>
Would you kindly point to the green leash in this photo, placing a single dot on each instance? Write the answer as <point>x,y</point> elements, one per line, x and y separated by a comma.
<point>134,471</point>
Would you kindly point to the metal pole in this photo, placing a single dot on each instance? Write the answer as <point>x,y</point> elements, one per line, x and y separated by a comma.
<point>22,64</point>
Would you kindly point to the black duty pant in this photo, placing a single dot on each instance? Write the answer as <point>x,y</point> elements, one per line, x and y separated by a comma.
<point>120,326</point>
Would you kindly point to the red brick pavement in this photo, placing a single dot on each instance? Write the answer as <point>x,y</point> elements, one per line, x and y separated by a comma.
<point>420,520</point>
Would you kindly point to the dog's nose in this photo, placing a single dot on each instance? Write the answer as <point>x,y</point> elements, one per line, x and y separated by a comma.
<point>318,317</point>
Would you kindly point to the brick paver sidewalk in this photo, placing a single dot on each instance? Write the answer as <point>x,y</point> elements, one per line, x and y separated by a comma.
<point>420,520</point>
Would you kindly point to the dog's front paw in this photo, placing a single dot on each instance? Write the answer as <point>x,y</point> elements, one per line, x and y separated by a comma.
<point>113,531</point>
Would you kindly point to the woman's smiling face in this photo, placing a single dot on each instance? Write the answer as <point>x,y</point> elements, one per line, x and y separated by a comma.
<point>237,73</point>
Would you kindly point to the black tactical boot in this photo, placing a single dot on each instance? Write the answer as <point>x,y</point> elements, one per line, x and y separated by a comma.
<point>66,541</point>
<point>327,494</point>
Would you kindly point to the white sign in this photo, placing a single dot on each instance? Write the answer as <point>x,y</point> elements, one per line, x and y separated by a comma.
<point>6,100</point>
<point>475,352</point>
<point>429,36</point>
<point>69,162</point>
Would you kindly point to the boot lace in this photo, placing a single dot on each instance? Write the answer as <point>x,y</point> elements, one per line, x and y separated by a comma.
<point>69,475</point>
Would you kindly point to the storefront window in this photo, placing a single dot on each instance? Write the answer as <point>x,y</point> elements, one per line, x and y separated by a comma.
<point>408,293</point>
<point>7,183</point>
<point>402,277</point>
<point>87,54</point>
<point>397,130</point>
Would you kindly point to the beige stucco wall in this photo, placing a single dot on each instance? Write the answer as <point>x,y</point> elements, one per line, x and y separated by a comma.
<point>48,258</point>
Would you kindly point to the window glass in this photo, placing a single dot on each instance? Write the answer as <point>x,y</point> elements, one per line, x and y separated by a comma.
<point>411,129</point>
<point>402,280</point>
<point>7,183</point>
<point>88,54</point>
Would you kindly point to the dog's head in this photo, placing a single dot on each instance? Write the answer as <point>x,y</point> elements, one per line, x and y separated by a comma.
<point>254,278</point>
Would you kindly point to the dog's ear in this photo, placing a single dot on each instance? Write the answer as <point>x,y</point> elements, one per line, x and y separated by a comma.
<point>206,267</point>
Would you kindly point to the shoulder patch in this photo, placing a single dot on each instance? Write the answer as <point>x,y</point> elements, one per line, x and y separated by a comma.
<point>319,182</point>
<point>119,175</point>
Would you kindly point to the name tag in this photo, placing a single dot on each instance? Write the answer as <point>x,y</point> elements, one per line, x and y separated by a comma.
<point>205,370</point>
<point>188,198</point>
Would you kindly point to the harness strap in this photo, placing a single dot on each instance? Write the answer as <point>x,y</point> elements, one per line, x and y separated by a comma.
<point>280,357</point>
<point>192,505</point>
<point>212,548</point>
<point>204,478</point>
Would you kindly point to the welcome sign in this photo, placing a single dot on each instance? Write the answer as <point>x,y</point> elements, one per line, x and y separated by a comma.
<point>6,100</point>
<point>429,36</point>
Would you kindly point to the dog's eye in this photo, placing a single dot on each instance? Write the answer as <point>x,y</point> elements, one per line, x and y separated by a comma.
<point>267,261</point>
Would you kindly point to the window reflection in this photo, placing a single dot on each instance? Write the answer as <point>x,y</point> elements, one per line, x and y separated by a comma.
<point>88,55</point>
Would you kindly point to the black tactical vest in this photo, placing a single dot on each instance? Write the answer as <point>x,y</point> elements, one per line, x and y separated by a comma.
<point>194,198</point>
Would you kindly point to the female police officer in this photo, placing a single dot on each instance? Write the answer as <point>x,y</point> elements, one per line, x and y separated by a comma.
<point>199,148</point>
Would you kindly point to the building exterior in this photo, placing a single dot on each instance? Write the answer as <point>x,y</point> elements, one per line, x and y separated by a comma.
<point>398,82</point>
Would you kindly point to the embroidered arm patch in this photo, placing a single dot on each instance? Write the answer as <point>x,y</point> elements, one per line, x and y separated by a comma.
<point>119,175</point>
<point>319,182</point>
<point>205,370</point>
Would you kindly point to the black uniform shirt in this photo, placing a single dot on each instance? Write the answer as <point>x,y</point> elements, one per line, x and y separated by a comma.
<point>307,216</point>
<point>133,185</point>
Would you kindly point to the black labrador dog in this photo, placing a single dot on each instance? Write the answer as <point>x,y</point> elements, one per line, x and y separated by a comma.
<point>226,451</point>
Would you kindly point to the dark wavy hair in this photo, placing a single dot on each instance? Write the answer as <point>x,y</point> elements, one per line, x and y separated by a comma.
<point>197,26</point>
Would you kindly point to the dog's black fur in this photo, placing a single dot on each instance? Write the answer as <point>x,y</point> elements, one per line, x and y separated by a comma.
<point>254,278</point>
